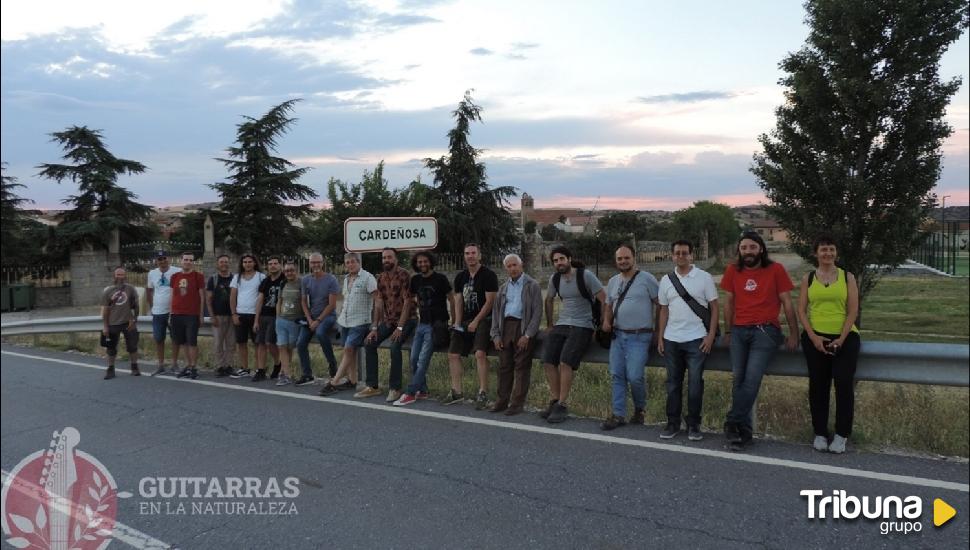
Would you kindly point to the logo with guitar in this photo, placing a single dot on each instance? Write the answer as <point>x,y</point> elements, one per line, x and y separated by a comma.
<point>60,498</point>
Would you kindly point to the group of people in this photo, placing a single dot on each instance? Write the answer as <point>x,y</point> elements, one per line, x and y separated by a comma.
<point>678,317</point>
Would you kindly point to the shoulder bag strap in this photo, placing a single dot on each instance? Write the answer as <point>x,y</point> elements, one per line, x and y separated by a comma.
<point>695,306</point>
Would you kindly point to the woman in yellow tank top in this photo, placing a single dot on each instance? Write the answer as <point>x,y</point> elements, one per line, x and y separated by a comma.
<point>828,305</point>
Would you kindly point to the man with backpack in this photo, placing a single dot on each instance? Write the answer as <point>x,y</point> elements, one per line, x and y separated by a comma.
<point>686,335</point>
<point>630,315</point>
<point>567,340</point>
<point>223,333</point>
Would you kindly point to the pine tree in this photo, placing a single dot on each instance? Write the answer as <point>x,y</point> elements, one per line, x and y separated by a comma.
<point>466,208</point>
<point>856,147</point>
<point>257,210</point>
<point>101,205</point>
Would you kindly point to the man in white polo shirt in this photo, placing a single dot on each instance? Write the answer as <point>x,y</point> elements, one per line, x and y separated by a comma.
<point>686,334</point>
<point>158,294</point>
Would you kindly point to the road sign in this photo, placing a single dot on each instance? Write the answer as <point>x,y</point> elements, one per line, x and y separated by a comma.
<point>373,234</point>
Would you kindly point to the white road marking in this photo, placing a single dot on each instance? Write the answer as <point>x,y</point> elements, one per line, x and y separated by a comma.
<point>120,532</point>
<point>737,457</point>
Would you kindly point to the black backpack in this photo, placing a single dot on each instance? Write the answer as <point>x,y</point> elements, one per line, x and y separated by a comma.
<point>594,302</point>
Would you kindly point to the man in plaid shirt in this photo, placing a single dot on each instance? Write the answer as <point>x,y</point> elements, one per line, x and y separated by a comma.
<point>398,322</point>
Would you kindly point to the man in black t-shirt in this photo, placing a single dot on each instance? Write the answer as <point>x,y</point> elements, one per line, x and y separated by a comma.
<point>475,289</point>
<point>431,293</point>
<point>217,300</point>
<point>265,323</point>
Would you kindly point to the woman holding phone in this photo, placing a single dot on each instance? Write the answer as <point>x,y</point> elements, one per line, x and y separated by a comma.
<point>828,305</point>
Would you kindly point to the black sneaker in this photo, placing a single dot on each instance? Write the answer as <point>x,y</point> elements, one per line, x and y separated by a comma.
<point>348,385</point>
<point>670,431</point>
<point>558,414</point>
<point>612,422</point>
<point>732,432</point>
<point>328,389</point>
<point>240,373</point>
<point>161,370</point>
<point>305,381</point>
<point>481,401</point>
<point>109,374</point>
<point>184,373</point>
<point>135,371</point>
<point>548,410</point>
<point>694,433</point>
<point>637,417</point>
<point>193,373</point>
<point>260,375</point>
<point>223,372</point>
<point>276,371</point>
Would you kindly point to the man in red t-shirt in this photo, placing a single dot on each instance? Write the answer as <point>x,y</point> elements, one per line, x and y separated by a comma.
<point>188,295</point>
<point>756,288</point>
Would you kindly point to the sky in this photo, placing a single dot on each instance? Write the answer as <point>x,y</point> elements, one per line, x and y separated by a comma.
<point>618,104</point>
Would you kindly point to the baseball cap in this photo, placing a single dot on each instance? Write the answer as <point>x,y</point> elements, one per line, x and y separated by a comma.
<point>161,254</point>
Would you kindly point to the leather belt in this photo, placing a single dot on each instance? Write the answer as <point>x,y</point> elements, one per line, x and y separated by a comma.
<point>510,318</point>
<point>635,330</point>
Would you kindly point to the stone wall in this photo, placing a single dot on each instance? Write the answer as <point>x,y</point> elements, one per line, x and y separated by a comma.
<point>90,274</point>
<point>53,297</point>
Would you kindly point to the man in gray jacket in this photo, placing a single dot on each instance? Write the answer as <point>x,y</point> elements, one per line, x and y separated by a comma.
<point>516,315</point>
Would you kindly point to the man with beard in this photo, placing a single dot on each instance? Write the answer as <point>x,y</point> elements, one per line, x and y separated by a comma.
<point>475,289</point>
<point>515,323</point>
<point>217,299</point>
<point>756,290</point>
<point>265,322</point>
<point>432,294</point>
<point>319,303</point>
<point>119,311</point>
<point>158,295</point>
<point>394,295</point>
<point>629,313</point>
<point>188,294</point>
<point>568,338</point>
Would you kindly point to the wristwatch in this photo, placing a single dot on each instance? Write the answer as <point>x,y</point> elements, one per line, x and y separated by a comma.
<point>400,328</point>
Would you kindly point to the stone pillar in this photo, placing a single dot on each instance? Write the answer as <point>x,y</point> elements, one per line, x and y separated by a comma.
<point>90,274</point>
<point>704,246</point>
<point>209,244</point>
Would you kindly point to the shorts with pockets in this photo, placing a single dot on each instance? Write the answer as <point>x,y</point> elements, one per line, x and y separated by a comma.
<point>267,330</point>
<point>566,345</point>
<point>244,330</point>
<point>464,342</point>
<point>185,329</point>
<point>114,335</point>
<point>159,327</point>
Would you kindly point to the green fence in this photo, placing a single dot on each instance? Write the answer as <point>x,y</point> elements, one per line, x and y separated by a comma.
<point>942,249</point>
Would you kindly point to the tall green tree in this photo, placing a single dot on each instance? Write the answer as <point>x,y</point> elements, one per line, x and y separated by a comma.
<point>855,151</point>
<point>101,205</point>
<point>372,197</point>
<point>467,209</point>
<point>711,218</point>
<point>262,199</point>
<point>623,224</point>
<point>15,224</point>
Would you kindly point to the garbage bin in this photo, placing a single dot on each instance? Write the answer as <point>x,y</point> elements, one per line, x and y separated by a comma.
<point>22,296</point>
<point>5,298</point>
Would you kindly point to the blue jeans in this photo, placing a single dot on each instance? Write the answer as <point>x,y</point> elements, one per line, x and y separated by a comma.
<point>680,357</point>
<point>322,333</point>
<point>752,348</point>
<point>421,348</point>
<point>384,331</point>
<point>628,359</point>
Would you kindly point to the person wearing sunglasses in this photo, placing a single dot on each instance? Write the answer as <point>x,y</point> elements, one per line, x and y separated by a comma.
<point>158,294</point>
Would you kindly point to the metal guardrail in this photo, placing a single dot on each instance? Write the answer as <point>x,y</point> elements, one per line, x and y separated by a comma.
<point>902,362</point>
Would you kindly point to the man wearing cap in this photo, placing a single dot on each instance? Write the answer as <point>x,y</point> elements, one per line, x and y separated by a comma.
<point>158,294</point>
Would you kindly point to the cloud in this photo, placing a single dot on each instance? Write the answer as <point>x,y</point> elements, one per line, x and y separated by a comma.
<point>688,97</point>
<point>401,20</point>
<point>524,45</point>
<point>515,56</point>
<point>480,51</point>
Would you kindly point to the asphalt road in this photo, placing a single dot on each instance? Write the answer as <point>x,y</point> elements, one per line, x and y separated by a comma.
<point>374,476</point>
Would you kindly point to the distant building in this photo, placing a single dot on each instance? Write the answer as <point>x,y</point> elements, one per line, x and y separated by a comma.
<point>567,220</point>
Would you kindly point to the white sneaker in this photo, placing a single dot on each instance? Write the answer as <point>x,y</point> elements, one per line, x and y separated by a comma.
<point>821,444</point>
<point>393,396</point>
<point>283,380</point>
<point>838,444</point>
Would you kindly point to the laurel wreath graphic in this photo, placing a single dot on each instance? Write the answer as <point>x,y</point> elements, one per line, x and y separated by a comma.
<point>92,523</point>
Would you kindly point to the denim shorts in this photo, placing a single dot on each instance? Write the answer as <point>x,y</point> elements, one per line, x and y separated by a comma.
<point>287,332</point>
<point>353,337</point>
<point>159,327</point>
